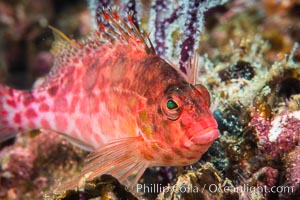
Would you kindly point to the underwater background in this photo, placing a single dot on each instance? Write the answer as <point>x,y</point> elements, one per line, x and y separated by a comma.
<point>248,58</point>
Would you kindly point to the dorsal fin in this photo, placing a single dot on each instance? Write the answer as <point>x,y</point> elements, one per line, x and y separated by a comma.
<point>113,26</point>
<point>61,40</point>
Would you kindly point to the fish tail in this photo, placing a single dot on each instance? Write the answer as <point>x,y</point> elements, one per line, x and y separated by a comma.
<point>8,118</point>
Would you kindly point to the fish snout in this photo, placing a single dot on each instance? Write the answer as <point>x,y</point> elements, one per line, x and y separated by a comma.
<point>205,136</point>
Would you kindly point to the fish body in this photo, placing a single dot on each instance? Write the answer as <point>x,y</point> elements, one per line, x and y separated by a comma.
<point>112,95</point>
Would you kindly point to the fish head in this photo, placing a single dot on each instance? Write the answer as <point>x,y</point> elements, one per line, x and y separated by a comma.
<point>188,110</point>
<point>184,125</point>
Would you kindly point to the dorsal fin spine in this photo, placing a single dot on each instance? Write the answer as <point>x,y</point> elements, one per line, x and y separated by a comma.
<point>112,26</point>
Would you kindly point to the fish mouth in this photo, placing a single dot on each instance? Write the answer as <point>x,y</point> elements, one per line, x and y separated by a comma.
<point>206,136</point>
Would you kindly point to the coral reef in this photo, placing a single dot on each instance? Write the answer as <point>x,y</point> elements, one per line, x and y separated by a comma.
<point>247,57</point>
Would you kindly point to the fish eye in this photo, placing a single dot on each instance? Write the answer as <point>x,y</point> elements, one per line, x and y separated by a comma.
<point>171,107</point>
<point>172,104</point>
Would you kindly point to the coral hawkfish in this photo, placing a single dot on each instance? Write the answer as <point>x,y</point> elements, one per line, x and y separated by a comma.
<point>114,96</point>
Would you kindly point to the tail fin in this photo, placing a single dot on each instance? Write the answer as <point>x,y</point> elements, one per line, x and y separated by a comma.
<point>8,105</point>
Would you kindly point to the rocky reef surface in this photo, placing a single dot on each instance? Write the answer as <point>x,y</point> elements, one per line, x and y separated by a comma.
<point>249,59</point>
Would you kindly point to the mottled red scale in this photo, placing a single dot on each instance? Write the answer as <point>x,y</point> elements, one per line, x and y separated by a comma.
<point>28,99</point>
<point>52,91</point>
<point>83,127</point>
<point>10,92</point>
<point>73,105</point>
<point>11,103</point>
<point>95,105</point>
<point>61,122</point>
<point>45,123</point>
<point>75,60</point>
<point>4,122</point>
<point>67,87</point>
<point>80,125</point>
<point>4,113</point>
<point>60,104</point>
<point>17,118</point>
<point>41,99</point>
<point>44,107</point>
<point>91,75</point>
<point>30,113</point>
<point>83,107</point>
<point>77,87</point>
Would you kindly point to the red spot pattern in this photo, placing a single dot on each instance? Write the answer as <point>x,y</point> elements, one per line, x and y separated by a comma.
<point>4,113</point>
<point>41,99</point>
<point>17,118</point>
<point>5,122</point>
<point>53,90</point>
<point>30,113</point>
<point>11,103</point>
<point>44,107</point>
<point>28,99</point>
<point>61,123</point>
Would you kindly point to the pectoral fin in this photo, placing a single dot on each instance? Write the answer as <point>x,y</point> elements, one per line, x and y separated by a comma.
<point>120,159</point>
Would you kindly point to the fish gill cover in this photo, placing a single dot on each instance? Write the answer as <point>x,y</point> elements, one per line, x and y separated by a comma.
<point>247,56</point>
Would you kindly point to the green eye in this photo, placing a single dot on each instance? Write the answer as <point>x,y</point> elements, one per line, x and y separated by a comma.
<point>171,104</point>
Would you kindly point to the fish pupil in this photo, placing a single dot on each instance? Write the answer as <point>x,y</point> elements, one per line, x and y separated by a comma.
<point>171,104</point>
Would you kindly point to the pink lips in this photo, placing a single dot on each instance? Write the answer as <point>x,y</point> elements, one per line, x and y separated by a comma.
<point>206,136</point>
